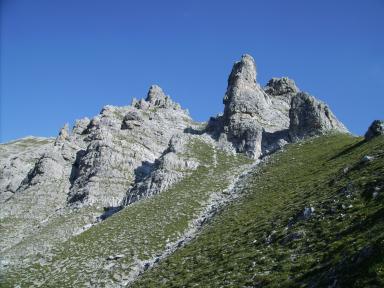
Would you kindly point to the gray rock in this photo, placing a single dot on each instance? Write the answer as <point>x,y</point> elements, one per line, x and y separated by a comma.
<point>81,126</point>
<point>247,109</point>
<point>281,86</point>
<point>157,98</point>
<point>131,119</point>
<point>115,257</point>
<point>120,140</point>
<point>40,182</point>
<point>259,121</point>
<point>17,158</point>
<point>311,117</point>
<point>367,159</point>
<point>49,166</point>
<point>168,170</point>
<point>376,129</point>
<point>63,135</point>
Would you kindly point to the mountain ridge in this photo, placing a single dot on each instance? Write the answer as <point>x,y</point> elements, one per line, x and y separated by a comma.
<point>129,155</point>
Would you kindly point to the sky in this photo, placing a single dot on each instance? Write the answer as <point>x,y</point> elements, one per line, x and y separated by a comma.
<point>61,60</point>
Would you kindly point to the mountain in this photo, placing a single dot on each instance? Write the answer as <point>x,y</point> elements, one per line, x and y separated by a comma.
<point>274,191</point>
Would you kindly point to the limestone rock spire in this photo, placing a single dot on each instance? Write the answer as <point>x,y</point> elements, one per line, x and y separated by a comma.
<point>63,134</point>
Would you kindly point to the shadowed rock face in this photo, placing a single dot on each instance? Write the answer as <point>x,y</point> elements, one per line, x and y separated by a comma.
<point>281,86</point>
<point>376,129</point>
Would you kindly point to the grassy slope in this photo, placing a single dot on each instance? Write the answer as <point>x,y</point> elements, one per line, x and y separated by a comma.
<point>139,232</point>
<point>263,240</point>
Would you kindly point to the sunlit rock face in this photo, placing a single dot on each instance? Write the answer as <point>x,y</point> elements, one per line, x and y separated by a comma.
<point>257,121</point>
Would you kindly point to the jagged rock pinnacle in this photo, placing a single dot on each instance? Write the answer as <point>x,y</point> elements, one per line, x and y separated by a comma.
<point>63,134</point>
<point>243,70</point>
<point>257,121</point>
<point>156,96</point>
<point>243,94</point>
<point>249,109</point>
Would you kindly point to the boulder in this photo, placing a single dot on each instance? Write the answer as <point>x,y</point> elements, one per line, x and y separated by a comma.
<point>376,129</point>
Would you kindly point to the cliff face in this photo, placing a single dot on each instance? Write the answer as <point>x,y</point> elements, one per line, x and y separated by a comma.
<point>51,190</point>
<point>258,121</point>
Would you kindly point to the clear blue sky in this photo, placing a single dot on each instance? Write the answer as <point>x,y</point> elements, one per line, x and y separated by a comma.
<point>63,60</point>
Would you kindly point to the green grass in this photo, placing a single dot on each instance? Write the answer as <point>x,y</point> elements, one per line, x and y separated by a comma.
<point>262,240</point>
<point>140,231</point>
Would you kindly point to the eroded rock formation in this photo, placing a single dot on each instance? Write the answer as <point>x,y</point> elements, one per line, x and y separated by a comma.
<point>129,153</point>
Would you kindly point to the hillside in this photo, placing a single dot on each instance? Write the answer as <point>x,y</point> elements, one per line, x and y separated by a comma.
<point>273,191</point>
<point>311,216</point>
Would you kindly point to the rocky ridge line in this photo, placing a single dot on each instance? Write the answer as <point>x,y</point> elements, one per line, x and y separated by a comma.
<point>129,153</point>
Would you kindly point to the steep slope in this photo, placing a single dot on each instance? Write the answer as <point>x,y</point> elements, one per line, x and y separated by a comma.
<point>55,194</point>
<point>128,242</point>
<point>53,190</point>
<point>311,216</point>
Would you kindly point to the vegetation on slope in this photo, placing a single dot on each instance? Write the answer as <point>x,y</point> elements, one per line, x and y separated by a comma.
<point>138,233</point>
<point>312,217</point>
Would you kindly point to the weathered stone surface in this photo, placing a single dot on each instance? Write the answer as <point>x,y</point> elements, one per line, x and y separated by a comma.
<point>250,112</point>
<point>260,121</point>
<point>376,129</point>
<point>281,86</point>
<point>17,158</point>
<point>81,125</point>
<point>50,164</point>
<point>131,119</point>
<point>120,140</point>
<point>91,166</point>
<point>166,171</point>
<point>310,117</point>
<point>63,135</point>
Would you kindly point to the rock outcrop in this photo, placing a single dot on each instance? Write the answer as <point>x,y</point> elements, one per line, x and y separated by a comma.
<point>249,110</point>
<point>374,130</point>
<point>310,117</point>
<point>166,171</point>
<point>17,159</point>
<point>93,166</point>
<point>120,140</point>
<point>281,86</point>
<point>259,121</point>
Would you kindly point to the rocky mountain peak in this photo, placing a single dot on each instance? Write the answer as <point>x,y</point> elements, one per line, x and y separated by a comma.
<point>257,121</point>
<point>243,71</point>
<point>157,97</point>
<point>243,94</point>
